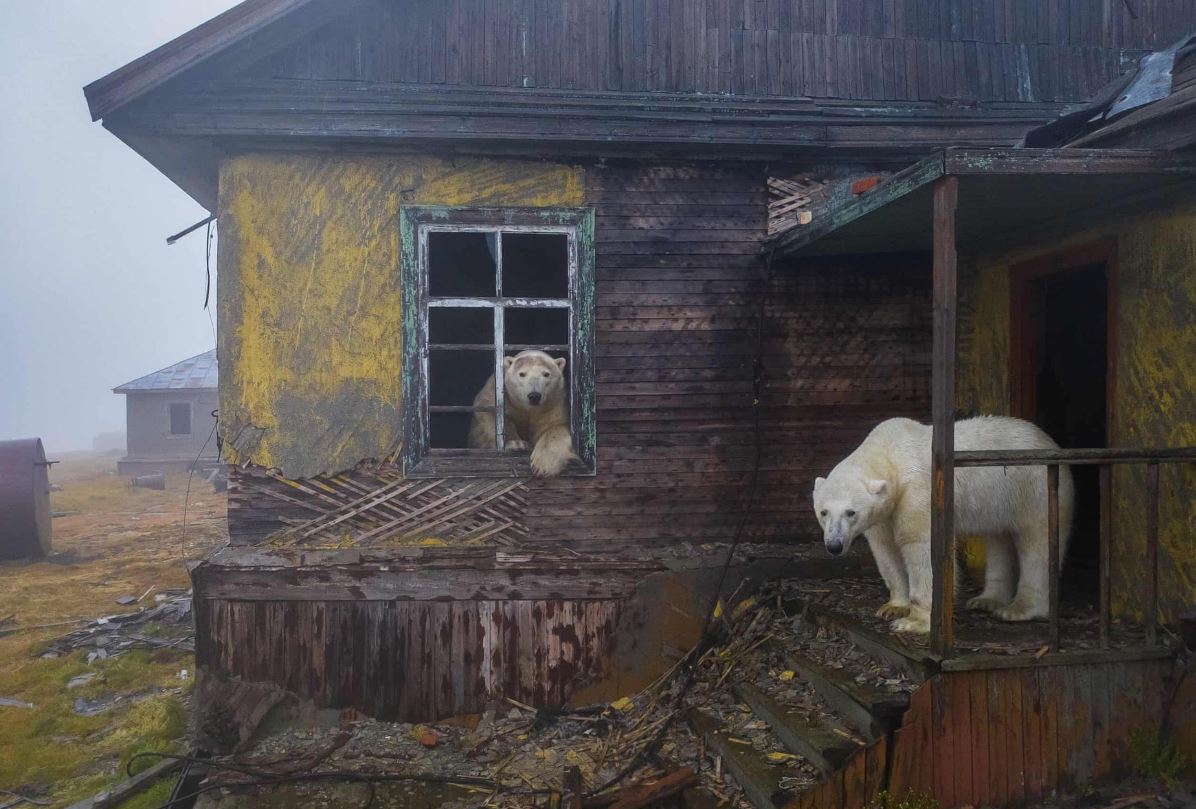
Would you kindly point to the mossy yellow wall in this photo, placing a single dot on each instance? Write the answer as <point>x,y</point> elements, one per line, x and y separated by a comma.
<point>309,299</point>
<point>1155,368</point>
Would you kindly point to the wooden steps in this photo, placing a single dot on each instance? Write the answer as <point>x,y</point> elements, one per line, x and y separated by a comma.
<point>760,782</point>
<point>817,742</point>
<point>867,710</point>
<point>845,740</point>
<point>887,647</point>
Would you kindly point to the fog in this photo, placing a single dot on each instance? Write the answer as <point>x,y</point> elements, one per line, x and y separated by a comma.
<point>90,294</point>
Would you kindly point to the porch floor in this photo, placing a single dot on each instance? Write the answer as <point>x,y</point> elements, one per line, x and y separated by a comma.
<point>856,598</point>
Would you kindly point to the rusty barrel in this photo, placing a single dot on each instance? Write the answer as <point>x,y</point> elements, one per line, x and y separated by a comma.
<point>24,499</point>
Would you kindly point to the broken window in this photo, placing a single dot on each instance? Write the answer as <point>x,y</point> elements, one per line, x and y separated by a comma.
<point>180,419</point>
<point>482,286</point>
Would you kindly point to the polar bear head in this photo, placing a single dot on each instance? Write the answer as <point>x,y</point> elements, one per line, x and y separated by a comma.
<point>847,505</point>
<point>533,379</point>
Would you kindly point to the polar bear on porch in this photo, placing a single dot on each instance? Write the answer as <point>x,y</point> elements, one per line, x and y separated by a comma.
<point>882,491</point>
<point>535,412</point>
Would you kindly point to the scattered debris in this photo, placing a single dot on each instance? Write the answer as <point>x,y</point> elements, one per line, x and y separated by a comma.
<point>8,702</point>
<point>82,679</point>
<point>125,601</point>
<point>166,625</point>
<point>156,481</point>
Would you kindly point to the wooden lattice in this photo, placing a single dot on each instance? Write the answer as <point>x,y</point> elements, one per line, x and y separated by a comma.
<point>363,509</point>
<point>789,202</point>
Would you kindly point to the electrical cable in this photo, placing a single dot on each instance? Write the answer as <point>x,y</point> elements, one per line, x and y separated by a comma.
<point>706,635</point>
<point>191,474</point>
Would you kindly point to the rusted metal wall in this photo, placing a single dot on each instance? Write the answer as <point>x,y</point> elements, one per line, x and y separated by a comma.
<point>25,524</point>
<point>410,660</point>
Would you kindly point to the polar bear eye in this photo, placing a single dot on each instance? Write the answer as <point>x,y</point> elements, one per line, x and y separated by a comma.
<point>523,373</point>
<point>545,374</point>
<point>823,512</point>
<point>849,513</point>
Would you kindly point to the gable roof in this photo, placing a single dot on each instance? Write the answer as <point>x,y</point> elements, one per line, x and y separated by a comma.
<point>125,84</point>
<point>195,373</point>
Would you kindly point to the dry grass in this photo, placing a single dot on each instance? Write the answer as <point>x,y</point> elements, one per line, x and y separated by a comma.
<point>112,541</point>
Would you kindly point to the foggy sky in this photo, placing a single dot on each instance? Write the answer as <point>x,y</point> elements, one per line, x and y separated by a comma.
<point>90,295</point>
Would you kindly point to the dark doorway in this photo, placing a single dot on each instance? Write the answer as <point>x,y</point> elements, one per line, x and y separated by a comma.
<point>1062,382</point>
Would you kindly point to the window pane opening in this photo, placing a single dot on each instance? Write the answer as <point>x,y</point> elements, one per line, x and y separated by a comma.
<point>180,419</point>
<point>462,264</point>
<point>535,265</point>
<point>468,326</point>
<point>456,377</point>
<point>536,327</point>
<point>449,430</point>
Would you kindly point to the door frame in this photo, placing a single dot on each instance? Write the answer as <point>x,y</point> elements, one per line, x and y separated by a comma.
<point>1023,314</point>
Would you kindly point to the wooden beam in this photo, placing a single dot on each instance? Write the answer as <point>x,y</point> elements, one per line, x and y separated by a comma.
<point>942,397</point>
<point>1053,555</point>
<point>121,792</point>
<point>1075,457</point>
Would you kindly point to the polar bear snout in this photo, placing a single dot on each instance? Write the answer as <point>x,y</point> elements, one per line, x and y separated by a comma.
<point>837,537</point>
<point>534,397</point>
<point>834,546</point>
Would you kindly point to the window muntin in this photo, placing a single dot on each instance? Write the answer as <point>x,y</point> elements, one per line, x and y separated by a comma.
<point>179,416</point>
<point>481,285</point>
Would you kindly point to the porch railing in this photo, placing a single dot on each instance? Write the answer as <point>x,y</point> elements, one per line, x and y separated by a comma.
<point>1106,459</point>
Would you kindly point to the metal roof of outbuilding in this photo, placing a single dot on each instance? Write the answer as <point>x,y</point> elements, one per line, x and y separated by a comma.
<point>196,373</point>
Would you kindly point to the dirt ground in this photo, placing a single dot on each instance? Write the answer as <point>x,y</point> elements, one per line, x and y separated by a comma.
<point>110,540</point>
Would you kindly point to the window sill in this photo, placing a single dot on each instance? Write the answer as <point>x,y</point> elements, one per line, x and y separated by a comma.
<point>461,463</point>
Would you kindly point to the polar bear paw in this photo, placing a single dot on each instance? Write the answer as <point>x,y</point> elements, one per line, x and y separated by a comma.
<point>893,609</point>
<point>916,623</point>
<point>1020,612</point>
<point>548,460</point>
<point>986,603</point>
<point>517,444</point>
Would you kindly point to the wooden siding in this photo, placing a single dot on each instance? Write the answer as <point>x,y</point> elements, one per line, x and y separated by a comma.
<point>984,50</point>
<point>1016,736</point>
<point>679,278</point>
<point>409,660</point>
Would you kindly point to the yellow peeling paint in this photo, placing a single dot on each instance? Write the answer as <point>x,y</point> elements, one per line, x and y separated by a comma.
<point>1155,399</point>
<point>309,298</point>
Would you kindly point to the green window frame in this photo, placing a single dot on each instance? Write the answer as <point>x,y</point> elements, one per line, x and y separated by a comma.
<point>419,458</point>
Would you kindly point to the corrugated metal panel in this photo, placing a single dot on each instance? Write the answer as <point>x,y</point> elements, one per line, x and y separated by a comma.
<point>198,372</point>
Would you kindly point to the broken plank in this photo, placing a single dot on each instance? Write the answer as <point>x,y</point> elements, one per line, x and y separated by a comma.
<point>125,789</point>
<point>817,743</point>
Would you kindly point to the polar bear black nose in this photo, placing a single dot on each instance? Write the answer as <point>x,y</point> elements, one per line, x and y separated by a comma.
<point>534,397</point>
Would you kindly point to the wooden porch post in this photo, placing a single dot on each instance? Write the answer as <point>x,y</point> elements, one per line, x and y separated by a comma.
<point>942,400</point>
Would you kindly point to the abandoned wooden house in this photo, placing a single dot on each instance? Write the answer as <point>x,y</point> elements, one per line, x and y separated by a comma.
<point>170,417</point>
<point>725,216</point>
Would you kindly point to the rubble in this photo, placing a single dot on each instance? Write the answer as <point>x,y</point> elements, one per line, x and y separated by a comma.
<point>165,625</point>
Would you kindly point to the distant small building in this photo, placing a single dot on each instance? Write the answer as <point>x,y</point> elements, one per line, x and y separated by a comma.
<point>170,425</point>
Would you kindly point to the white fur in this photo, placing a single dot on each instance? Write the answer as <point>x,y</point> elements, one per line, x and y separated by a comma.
<point>885,485</point>
<point>541,426</point>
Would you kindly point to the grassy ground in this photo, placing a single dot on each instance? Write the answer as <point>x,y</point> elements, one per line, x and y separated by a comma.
<point>110,541</point>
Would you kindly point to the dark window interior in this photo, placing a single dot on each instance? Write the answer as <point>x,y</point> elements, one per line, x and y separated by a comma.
<point>461,339</point>
<point>180,419</point>
<point>1071,375</point>
<point>535,265</point>
<point>462,265</point>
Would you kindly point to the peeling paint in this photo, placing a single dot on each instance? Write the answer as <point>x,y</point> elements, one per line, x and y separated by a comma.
<point>309,298</point>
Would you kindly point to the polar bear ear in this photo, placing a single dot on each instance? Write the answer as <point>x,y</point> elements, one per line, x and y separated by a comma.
<point>878,488</point>
<point>560,363</point>
<point>507,362</point>
<point>818,482</point>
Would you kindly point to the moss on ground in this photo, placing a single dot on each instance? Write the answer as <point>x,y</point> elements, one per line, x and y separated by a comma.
<point>118,541</point>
